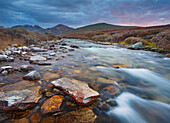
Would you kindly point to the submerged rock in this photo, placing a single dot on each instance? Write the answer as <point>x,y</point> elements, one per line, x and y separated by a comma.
<point>52,104</point>
<point>33,75</point>
<point>78,90</point>
<point>26,68</point>
<point>19,96</point>
<point>84,115</point>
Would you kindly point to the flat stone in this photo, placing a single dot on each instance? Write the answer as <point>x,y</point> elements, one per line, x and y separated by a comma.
<point>52,104</point>
<point>78,90</point>
<point>84,115</point>
<point>48,76</point>
<point>37,58</point>
<point>33,75</point>
<point>19,96</point>
<point>3,57</point>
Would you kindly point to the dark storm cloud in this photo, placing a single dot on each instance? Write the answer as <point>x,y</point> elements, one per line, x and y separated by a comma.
<point>82,12</point>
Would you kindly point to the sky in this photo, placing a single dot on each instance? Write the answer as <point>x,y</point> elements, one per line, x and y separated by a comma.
<point>77,13</point>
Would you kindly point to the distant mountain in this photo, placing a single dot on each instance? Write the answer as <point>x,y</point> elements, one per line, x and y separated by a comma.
<point>102,26</point>
<point>58,29</point>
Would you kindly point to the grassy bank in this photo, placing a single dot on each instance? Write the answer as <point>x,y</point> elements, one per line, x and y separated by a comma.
<point>21,37</point>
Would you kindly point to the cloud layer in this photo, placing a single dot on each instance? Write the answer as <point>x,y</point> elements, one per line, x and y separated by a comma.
<point>83,12</point>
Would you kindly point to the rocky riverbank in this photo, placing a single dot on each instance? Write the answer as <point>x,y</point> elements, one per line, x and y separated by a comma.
<point>31,90</point>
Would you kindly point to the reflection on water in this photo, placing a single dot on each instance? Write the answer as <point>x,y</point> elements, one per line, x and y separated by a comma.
<point>146,85</point>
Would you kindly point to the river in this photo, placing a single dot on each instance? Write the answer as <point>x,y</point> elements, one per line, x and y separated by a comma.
<point>145,85</point>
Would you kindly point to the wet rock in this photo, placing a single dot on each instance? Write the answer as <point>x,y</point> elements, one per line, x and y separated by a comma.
<point>138,45</point>
<point>44,63</point>
<point>10,59</point>
<point>16,52</point>
<point>48,76</point>
<point>48,120</point>
<point>74,46</point>
<point>52,104</point>
<point>104,107</point>
<point>122,66</point>
<point>5,68</point>
<point>23,120</point>
<point>4,73</point>
<point>49,94</point>
<point>26,68</point>
<point>70,49</point>
<point>167,55</point>
<point>52,54</point>
<point>154,49</point>
<point>57,91</point>
<point>84,115</point>
<point>3,57</point>
<point>111,102</point>
<point>35,118</point>
<point>2,84</point>
<point>34,75</point>
<point>78,90</point>
<point>19,96</point>
<point>14,45</point>
<point>37,58</point>
<point>37,49</point>
<point>110,91</point>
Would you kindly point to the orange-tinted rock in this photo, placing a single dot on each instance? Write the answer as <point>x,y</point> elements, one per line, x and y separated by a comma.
<point>23,120</point>
<point>19,96</point>
<point>122,66</point>
<point>51,76</point>
<point>52,104</point>
<point>78,90</point>
<point>35,118</point>
<point>167,55</point>
<point>48,120</point>
<point>84,115</point>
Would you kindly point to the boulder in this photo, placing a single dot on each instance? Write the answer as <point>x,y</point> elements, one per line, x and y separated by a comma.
<point>19,96</point>
<point>33,75</point>
<point>52,104</point>
<point>138,45</point>
<point>78,90</point>
<point>26,68</point>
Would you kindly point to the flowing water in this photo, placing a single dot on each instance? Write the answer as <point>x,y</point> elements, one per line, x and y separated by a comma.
<point>146,86</point>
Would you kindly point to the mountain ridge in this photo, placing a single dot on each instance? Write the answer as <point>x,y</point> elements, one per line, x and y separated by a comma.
<point>58,29</point>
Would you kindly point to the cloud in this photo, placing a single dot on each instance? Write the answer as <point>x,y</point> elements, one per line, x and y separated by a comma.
<point>82,12</point>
